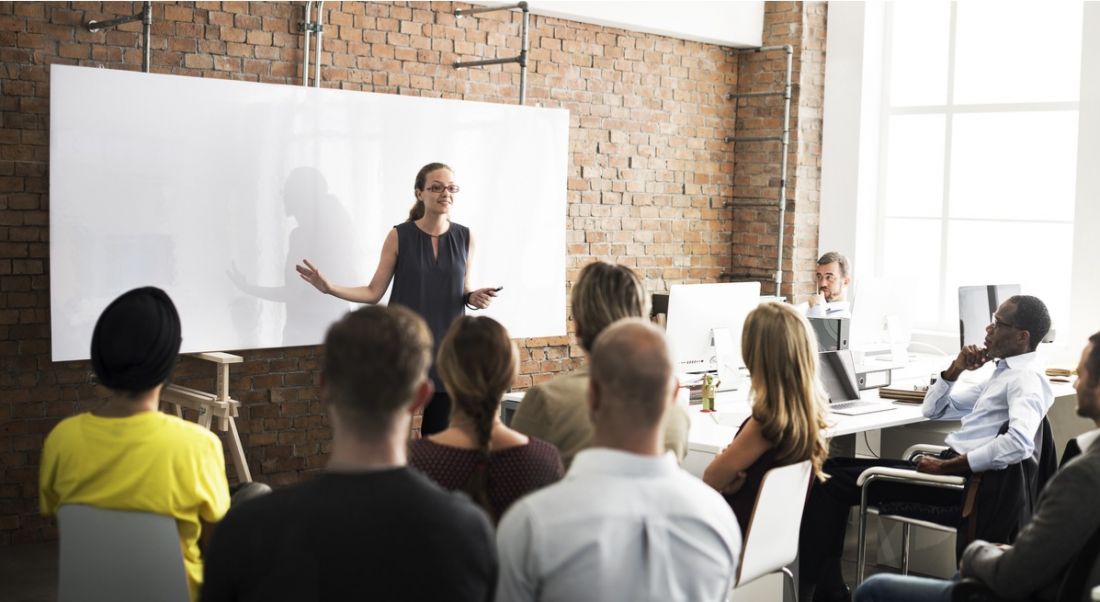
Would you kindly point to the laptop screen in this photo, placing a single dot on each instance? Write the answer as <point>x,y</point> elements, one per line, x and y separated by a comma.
<point>837,371</point>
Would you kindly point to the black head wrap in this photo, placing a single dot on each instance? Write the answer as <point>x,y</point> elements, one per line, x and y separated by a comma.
<point>136,340</point>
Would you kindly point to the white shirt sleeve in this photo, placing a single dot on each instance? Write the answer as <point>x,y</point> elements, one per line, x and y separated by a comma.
<point>1026,408</point>
<point>517,577</point>
<point>944,402</point>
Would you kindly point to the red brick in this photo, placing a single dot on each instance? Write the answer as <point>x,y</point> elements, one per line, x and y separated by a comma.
<point>178,13</point>
<point>259,38</point>
<point>198,61</point>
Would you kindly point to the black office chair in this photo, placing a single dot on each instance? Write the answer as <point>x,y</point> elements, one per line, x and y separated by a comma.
<point>991,509</point>
<point>658,307</point>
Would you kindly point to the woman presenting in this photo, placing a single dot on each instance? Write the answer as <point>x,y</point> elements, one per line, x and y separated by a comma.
<point>426,258</point>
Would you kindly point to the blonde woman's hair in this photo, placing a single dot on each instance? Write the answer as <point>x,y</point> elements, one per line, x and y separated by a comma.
<point>788,401</point>
<point>478,363</point>
<point>605,293</point>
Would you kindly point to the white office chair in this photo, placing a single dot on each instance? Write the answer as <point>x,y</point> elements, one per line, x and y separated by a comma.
<point>115,556</point>
<point>772,539</point>
<point>900,475</point>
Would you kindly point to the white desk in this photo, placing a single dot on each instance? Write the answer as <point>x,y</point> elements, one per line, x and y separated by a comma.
<point>710,435</point>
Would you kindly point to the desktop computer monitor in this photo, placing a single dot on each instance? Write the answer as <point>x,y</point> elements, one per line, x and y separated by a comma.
<point>976,307</point>
<point>696,310</point>
<point>832,333</point>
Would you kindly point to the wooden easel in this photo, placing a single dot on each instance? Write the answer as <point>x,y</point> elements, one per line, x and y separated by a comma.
<point>214,405</point>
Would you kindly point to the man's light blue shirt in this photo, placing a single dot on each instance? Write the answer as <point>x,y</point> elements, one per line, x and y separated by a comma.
<point>1018,392</point>
<point>620,526</point>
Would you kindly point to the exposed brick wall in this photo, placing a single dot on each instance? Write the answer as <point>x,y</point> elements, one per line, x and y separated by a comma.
<point>756,172</point>
<point>649,175</point>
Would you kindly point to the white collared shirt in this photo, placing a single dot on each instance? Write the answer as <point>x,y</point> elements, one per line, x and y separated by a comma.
<point>1086,440</point>
<point>833,309</point>
<point>620,526</point>
<point>1017,392</point>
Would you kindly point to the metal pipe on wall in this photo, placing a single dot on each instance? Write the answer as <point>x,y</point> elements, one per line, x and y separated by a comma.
<point>784,140</point>
<point>146,17</point>
<point>523,55</point>
<point>146,30</point>
<point>782,199</point>
<point>521,59</point>
<point>307,26</point>
<point>320,37</point>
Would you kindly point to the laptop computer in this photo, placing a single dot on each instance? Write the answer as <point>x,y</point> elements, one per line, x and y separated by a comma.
<point>837,371</point>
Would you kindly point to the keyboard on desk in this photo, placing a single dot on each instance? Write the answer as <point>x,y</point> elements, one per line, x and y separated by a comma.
<point>858,407</point>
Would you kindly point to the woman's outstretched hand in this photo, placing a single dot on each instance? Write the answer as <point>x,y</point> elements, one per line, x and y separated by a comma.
<point>312,275</point>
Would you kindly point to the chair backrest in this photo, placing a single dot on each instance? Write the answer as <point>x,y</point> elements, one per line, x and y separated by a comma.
<point>772,540</point>
<point>111,555</point>
<point>1075,583</point>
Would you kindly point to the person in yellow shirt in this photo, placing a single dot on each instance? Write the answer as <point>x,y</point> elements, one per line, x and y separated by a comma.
<point>126,455</point>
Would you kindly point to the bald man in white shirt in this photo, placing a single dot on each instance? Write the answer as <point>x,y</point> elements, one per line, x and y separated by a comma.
<point>626,523</point>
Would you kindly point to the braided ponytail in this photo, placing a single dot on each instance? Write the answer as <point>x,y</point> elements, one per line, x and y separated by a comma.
<point>477,362</point>
<point>477,486</point>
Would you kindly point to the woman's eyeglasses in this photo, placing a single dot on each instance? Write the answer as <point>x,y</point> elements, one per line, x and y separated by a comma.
<point>438,188</point>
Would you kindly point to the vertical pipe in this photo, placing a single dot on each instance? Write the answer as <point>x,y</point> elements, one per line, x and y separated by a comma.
<point>146,30</point>
<point>523,55</point>
<point>317,44</point>
<point>861,543</point>
<point>307,25</point>
<point>906,530</point>
<point>783,171</point>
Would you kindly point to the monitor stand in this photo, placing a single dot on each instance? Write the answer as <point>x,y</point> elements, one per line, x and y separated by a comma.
<point>729,377</point>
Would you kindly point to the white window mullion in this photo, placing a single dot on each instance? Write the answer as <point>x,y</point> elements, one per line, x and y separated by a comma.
<point>947,132</point>
<point>880,268</point>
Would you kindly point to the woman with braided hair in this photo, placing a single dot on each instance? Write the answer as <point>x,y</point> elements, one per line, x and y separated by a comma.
<point>477,454</point>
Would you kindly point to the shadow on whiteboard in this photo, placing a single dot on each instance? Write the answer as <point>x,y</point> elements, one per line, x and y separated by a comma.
<point>322,232</point>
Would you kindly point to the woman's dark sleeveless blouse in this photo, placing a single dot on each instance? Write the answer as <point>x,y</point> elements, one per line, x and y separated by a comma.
<point>744,499</point>
<point>431,286</point>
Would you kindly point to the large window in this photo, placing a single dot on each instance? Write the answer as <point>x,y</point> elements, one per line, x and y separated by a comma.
<point>979,153</point>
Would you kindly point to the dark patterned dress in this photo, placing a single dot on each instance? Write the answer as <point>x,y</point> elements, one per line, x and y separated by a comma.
<point>513,472</point>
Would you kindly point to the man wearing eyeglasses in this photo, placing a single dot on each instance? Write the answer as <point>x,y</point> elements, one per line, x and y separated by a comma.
<point>1017,392</point>
<point>999,422</point>
<point>832,278</point>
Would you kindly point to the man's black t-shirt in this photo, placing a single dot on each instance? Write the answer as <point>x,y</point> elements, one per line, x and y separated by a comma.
<point>386,535</point>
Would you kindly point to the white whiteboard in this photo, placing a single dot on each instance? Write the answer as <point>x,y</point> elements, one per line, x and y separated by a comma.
<point>214,189</point>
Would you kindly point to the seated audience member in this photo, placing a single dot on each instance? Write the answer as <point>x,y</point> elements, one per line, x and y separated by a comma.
<point>556,411</point>
<point>127,455</point>
<point>1017,393</point>
<point>368,527</point>
<point>477,453</point>
<point>1066,523</point>
<point>626,523</point>
<point>832,277</point>
<point>788,411</point>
